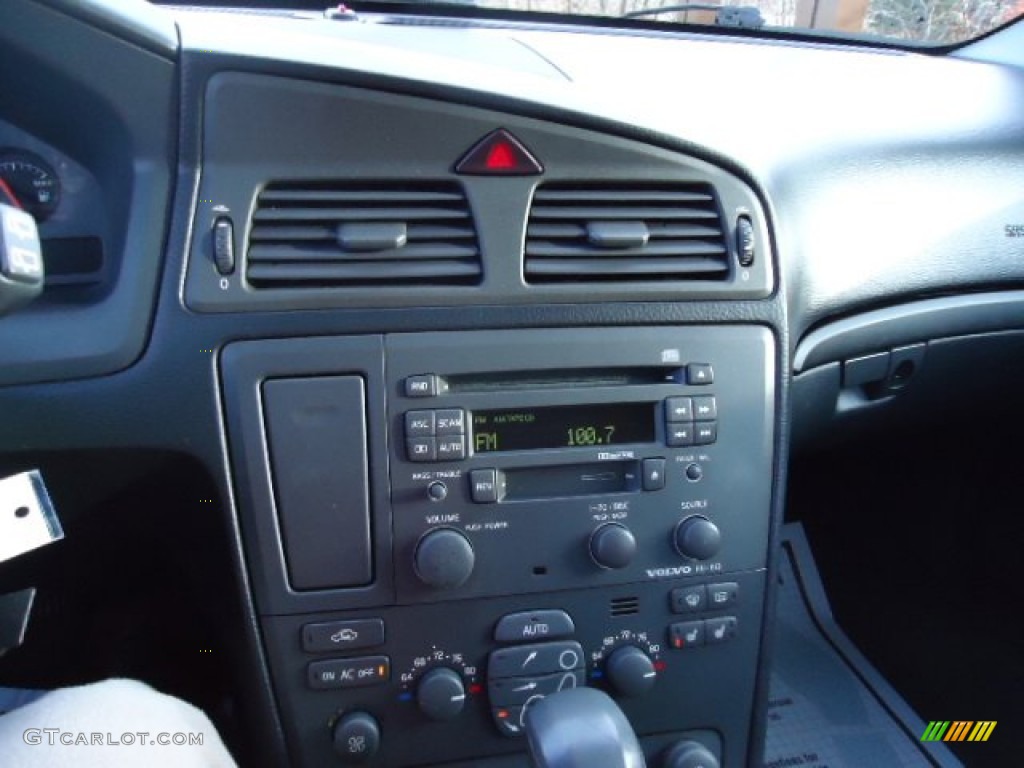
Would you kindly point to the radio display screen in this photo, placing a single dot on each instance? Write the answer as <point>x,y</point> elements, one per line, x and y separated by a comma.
<point>566,426</point>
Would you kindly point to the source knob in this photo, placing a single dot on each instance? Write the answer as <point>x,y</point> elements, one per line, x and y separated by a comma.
<point>690,754</point>
<point>630,671</point>
<point>697,537</point>
<point>356,738</point>
<point>441,694</point>
<point>444,558</point>
<point>612,546</point>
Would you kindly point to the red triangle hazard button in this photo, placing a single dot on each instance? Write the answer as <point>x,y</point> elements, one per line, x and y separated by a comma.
<point>499,154</point>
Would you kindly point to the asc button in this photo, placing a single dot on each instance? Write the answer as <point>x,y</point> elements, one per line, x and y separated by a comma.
<point>342,635</point>
<point>348,673</point>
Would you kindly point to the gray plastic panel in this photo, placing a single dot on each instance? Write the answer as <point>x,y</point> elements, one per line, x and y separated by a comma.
<point>317,434</point>
<point>245,366</point>
<point>251,138</point>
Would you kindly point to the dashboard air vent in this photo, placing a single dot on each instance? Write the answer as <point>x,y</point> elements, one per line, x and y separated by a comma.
<point>614,233</point>
<point>338,234</point>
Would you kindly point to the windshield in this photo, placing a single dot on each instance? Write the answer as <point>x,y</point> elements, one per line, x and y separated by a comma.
<point>910,22</point>
<point>918,21</point>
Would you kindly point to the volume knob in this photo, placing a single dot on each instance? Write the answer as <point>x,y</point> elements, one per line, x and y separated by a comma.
<point>444,558</point>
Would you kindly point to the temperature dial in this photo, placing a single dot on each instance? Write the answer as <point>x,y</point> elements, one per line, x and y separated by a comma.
<point>629,661</point>
<point>441,694</point>
<point>631,671</point>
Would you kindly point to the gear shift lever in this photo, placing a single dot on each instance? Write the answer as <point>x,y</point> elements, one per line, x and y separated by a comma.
<point>581,728</point>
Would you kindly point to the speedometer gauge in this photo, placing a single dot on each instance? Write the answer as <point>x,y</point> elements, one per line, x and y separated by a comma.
<point>32,182</point>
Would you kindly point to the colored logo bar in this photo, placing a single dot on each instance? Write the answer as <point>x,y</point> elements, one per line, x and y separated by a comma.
<point>958,730</point>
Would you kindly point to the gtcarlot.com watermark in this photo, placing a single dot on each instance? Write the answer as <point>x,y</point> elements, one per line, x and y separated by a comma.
<point>53,737</point>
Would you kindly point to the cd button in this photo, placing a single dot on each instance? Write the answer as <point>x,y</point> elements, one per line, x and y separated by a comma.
<point>705,408</point>
<point>419,423</point>
<point>678,409</point>
<point>483,486</point>
<point>451,448</point>
<point>421,449</point>
<point>680,434</point>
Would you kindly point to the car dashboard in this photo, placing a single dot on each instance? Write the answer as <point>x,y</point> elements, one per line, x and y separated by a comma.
<point>481,351</point>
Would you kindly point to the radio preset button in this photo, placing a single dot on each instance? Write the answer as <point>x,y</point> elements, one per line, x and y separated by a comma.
<point>529,626</point>
<point>450,421</point>
<point>680,434</point>
<point>421,385</point>
<point>421,449</point>
<point>700,373</point>
<point>705,408</point>
<point>483,486</point>
<point>653,474</point>
<point>705,432</point>
<point>419,424</point>
<point>451,448</point>
<point>678,409</point>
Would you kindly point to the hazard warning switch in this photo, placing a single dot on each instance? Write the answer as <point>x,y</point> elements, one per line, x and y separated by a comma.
<point>499,154</point>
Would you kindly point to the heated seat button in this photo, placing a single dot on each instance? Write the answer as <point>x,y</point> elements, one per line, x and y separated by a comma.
<point>722,595</point>
<point>535,659</point>
<point>719,630</point>
<point>688,599</point>
<point>530,626</point>
<point>342,635</point>
<point>686,634</point>
<point>348,673</point>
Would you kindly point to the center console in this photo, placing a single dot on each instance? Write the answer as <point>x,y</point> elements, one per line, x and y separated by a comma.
<point>445,528</point>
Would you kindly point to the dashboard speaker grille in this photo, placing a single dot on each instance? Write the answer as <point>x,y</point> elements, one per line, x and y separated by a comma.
<point>627,232</point>
<point>316,234</point>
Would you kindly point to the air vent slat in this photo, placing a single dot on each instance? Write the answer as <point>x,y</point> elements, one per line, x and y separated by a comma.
<point>625,268</point>
<point>594,213</point>
<point>677,227</point>
<point>297,230</point>
<point>428,271</point>
<point>617,197</point>
<point>657,231</point>
<point>412,252</point>
<point>358,213</point>
<point>377,196</point>
<point>659,248</point>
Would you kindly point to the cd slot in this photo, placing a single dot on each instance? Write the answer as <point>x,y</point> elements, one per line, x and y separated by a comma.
<point>592,479</point>
<point>518,381</point>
